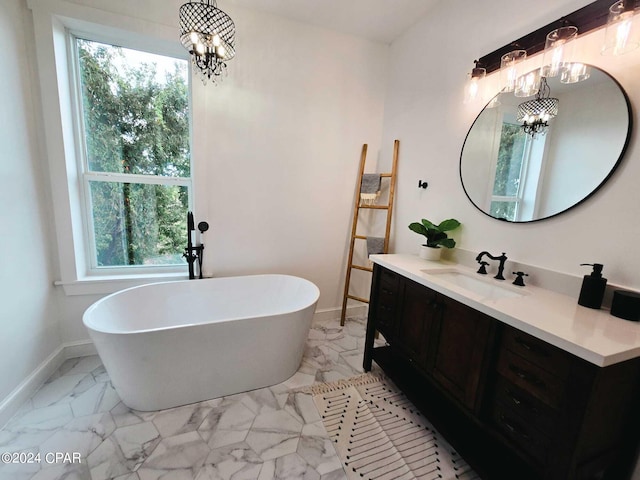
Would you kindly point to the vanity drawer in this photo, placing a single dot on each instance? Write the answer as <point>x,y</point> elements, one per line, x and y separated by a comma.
<point>389,278</point>
<point>545,356</point>
<point>387,301</point>
<point>527,408</point>
<point>522,435</point>
<point>531,378</point>
<point>385,319</point>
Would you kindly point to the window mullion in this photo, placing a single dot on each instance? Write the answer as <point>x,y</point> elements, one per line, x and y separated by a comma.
<point>136,178</point>
<point>504,198</point>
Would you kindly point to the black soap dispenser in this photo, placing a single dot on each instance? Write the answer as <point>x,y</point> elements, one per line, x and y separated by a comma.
<point>592,291</point>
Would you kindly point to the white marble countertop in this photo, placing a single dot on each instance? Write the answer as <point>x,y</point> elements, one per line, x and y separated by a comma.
<point>593,335</point>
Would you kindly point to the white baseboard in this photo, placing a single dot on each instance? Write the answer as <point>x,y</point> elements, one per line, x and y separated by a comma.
<point>81,348</point>
<point>12,402</point>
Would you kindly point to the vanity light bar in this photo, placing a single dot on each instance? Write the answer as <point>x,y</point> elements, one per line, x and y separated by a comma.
<point>587,18</point>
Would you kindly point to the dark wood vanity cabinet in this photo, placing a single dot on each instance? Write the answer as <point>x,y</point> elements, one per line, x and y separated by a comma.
<point>440,337</point>
<point>386,301</point>
<point>557,415</point>
<point>418,311</point>
<point>459,353</point>
<point>570,417</point>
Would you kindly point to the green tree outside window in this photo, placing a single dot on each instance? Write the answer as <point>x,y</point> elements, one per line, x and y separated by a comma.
<point>137,173</point>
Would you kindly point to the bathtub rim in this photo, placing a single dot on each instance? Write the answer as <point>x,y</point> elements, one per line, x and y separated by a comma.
<point>97,303</point>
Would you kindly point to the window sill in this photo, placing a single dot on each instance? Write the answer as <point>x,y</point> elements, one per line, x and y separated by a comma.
<point>101,285</point>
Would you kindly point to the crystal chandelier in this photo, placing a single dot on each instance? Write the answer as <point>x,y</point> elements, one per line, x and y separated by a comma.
<point>535,114</point>
<point>209,35</point>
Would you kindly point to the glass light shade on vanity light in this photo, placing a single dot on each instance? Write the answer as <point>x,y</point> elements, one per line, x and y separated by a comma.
<point>558,50</point>
<point>510,64</point>
<point>575,72</point>
<point>472,89</point>
<point>620,35</point>
<point>528,84</point>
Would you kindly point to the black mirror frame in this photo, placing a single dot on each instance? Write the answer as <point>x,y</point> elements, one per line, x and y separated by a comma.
<point>584,199</point>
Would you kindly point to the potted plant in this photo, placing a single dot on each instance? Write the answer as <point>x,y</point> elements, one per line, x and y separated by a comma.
<point>436,236</point>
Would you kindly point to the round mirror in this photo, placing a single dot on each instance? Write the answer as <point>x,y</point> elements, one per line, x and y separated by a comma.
<point>513,167</point>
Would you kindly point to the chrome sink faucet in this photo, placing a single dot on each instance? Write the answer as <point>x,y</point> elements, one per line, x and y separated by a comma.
<point>482,270</point>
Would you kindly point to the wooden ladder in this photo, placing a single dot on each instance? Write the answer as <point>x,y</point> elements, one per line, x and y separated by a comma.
<point>354,224</point>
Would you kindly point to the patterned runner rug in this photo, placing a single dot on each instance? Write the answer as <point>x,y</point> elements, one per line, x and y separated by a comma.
<point>379,435</point>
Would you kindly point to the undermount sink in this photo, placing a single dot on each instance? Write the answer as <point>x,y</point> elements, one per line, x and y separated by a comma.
<point>487,288</point>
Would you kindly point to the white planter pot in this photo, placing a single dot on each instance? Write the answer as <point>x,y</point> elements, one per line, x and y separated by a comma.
<point>429,253</point>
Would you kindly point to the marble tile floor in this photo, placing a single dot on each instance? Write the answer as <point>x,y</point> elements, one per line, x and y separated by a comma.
<point>269,433</point>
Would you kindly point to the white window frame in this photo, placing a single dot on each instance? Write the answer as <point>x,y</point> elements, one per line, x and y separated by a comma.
<point>53,22</point>
<point>526,200</point>
<point>87,176</point>
<point>516,199</point>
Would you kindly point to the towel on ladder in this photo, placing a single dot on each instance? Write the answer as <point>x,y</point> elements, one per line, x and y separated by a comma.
<point>375,245</point>
<point>370,188</point>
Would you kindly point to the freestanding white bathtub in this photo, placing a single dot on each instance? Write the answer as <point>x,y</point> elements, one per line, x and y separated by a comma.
<point>174,343</point>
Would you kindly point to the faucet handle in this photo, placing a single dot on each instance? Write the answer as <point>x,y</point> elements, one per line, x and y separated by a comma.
<point>483,268</point>
<point>519,280</point>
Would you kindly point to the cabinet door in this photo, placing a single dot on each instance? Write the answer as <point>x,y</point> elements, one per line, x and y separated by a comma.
<point>461,338</point>
<point>414,324</point>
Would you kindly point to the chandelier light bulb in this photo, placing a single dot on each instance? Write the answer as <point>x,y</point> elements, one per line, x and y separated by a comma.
<point>200,48</point>
<point>194,38</point>
<point>216,40</point>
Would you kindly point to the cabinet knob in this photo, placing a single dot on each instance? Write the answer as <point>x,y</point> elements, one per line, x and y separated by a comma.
<point>527,377</point>
<point>513,429</point>
<point>532,348</point>
<point>520,402</point>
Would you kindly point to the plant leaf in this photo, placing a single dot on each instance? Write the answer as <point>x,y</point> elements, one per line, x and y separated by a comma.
<point>428,225</point>
<point>449,224</point>
<point>448,242</point>
<point>435,238</point>
<point>418,228</point>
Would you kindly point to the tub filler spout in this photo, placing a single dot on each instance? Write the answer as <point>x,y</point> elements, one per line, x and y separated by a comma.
<point>194,252</point>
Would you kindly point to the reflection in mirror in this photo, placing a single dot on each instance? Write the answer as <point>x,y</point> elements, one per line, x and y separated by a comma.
<point>521,177</point>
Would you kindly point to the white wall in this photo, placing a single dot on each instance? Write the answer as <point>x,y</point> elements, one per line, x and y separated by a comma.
<point>29,315</point>
<point>424,109</point>
<point>285,132</point>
